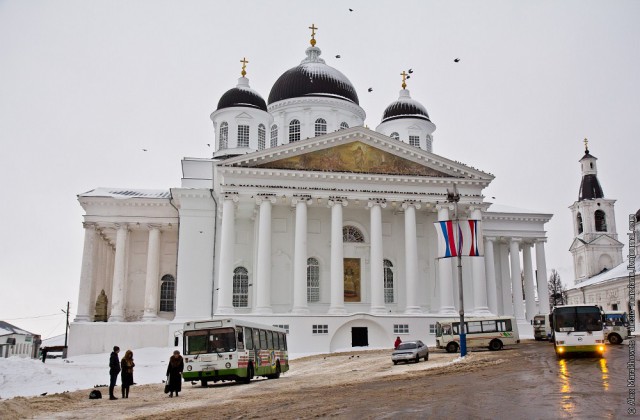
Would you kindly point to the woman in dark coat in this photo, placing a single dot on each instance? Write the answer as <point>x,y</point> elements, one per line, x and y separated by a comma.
<point>174,373</point>
<point>127,372</point>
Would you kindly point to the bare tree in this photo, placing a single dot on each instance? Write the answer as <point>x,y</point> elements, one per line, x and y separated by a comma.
<point>557,292</point>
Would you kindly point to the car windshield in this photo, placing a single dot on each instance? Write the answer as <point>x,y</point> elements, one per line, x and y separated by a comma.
<point>407,346</point>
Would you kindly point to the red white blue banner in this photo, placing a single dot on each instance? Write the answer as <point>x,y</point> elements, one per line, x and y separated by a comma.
<point>469,242</point>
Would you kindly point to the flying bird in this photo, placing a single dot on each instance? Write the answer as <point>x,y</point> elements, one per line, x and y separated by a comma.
<point>456,60</point>
<point>410,71</point>
<point>208,144</point>
<point>144,150</point>
<point>408,77</point>
<point>351,10</point>
<point>338,56</point>
<point>370,90</point>
<point>43,394</point>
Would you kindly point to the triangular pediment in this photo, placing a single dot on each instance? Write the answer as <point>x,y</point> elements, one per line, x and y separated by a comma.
<point>244,116</point>
<point>356,150</point>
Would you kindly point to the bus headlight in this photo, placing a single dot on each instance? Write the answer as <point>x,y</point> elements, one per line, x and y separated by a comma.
<point>560,349</point>
<point>189,367</point>
<point>601,349</point>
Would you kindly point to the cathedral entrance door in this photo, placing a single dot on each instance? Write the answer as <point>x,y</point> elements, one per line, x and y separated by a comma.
<point>359,337</point>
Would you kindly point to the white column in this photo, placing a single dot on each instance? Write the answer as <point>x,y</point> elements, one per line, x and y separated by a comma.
<point>445,274</point>
<point>529,288</point>
<point>541,276</point>
<point>377,256</point>
<point>337,258</point>
<point>119,274</point>
<point>490,272</point>
<point>86,274</point>
<point>263,266</point>
<point>411,257</point>
<point>151,297</point>
<point>480,306</point>
<point>300,257</point>
<point>516,280</point>
<point>227,257</point>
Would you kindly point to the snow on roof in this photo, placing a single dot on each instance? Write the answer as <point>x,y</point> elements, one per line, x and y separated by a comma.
<point>122,193</point>
<point>619,271</point>
<point>7,329</point>
<point>501,208</point>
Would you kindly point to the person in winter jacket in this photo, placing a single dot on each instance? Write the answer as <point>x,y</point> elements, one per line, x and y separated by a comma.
<point>174,373</point>
<point>114,370</point>
<point>127,372</point>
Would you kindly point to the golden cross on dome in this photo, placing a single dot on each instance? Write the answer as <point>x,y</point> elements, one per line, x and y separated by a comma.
<point>404,79</point>
<point>586,146</point>
<point>313,34</point>
<point>244,62</point>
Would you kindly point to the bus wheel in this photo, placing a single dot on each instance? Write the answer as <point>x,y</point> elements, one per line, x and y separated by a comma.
<point>278,370</point>
<point>203,383</point>
<point>495,345</point>
<point>249,374</point>
<point>615,339</point>
<point>452,347</point>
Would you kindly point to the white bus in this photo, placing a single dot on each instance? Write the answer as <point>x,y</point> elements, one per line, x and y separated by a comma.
<point>541,327</point>
<point>228,349</point>
<point>616,326</point>
<point>491,332</point>
<point>577,329</point>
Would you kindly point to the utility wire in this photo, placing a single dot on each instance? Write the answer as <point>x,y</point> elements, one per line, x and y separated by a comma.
<point>31,317</point>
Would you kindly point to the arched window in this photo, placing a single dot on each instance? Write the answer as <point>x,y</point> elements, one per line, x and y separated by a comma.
<point>352,234</point>
<point>274,135</point>
<point>167,293</point>
<point>313,280</point>
<point>601,221</point>
<point>388,281</point>
<point>240,288</point>
<point>224,135</point>
<point>429,143</point>
<point>321,127</point>
<point>344,125</point>
<point>395,136</point>
<point>262,136</point>
<point>243,136</point>
<point>579,220</point>
<point>294,131</point>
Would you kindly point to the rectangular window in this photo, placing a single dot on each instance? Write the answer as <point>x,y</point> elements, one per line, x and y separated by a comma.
<point>474,327</point>
<point>248,338</point>
<point>283,326</point>
<point>243,136</point>
<point>401,328</point>
<point>263,340</point>
<point>320,329</point>
<point>414,141</point>
<point>432,329</point>
<point>270,339</point>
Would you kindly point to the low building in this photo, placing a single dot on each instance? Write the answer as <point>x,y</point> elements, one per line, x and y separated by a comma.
<point>15,341</point>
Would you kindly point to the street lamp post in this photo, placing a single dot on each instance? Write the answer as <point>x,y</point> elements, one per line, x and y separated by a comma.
<point>454,197</point>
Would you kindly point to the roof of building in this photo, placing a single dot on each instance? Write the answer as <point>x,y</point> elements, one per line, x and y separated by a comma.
<point>122,194</point>
<point>312,77</point>
<point>8,329</point>
<point>590,188</point>
<point>242,96</point>
<point>405,107</point>
<point>618,272</point>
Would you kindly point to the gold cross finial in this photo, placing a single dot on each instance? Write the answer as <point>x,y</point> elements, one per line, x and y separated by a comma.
<point>586,145</point>
<point>404,79</point>
<point>313,34</point>
<point>244,62</point>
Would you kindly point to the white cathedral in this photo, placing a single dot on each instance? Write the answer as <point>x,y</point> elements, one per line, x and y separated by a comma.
<point>305,219</point>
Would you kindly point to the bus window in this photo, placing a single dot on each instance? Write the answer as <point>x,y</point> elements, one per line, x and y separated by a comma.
<point>474,327</point>
<point>489,326</point>
<point>276,338</point>
<point>283,341</point>
<point>256,339</point>
<point>196,342</point>
<point>503,325</point>
<point>248,340</point>
<point>269,340</point>
<point>263,340</point>
<point>240,336</point>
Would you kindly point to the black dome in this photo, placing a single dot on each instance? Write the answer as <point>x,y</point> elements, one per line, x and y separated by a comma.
<point>242,96</point>
<point>313,78</point>
<point>590,188</point>
<point>405,107</point>
<point>638,216</point>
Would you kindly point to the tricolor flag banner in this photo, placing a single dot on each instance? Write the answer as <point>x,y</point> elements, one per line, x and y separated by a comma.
<point>446,241</point>
<point>471,243</point>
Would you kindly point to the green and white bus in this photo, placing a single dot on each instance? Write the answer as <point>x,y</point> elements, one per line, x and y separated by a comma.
<point>616,326</point>
<point>578,329</point>
<point>233,350</point>
<point>490,332</point>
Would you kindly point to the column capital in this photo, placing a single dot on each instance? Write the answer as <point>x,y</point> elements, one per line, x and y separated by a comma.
<point>152,226</point>
<point>515,240</point>
<point>232,197</point>
<point>262,198</point>
<point>301,199</point>
<point>337,201</point>
<point>407,204</point>
<point>540,240</point>
<point>381,203</point>
<point>89,225</point>
<point>490,238</point>
<point>119,226</point>
<point>447,206</point>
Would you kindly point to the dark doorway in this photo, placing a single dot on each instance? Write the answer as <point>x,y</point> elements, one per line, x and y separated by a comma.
<point>359,337</point>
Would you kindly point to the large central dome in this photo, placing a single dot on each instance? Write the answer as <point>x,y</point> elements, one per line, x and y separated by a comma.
<point>312,77</point>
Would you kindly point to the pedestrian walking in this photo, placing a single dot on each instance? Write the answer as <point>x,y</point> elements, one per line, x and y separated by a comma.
<point>114,370</point>
<point>127,372</point>
<point>397,343</point>
<point>174,373</point>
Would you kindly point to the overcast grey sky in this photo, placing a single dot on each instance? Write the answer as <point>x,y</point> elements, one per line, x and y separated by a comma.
<point>86,85</point>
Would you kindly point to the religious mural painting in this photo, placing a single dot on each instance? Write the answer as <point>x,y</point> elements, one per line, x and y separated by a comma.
<point>352,280</point>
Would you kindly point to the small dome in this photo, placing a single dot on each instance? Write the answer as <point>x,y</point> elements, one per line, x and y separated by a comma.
<point>590,188</point>
<point>405,107</point>
<point>638,216</point>
<point>312,77</point>
<point>242,96</point>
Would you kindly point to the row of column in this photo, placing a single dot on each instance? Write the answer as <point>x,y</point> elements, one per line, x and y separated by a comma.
<point>93,259</point>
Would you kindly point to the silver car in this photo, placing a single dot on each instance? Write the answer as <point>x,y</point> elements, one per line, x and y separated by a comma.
<point>410,350</point>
